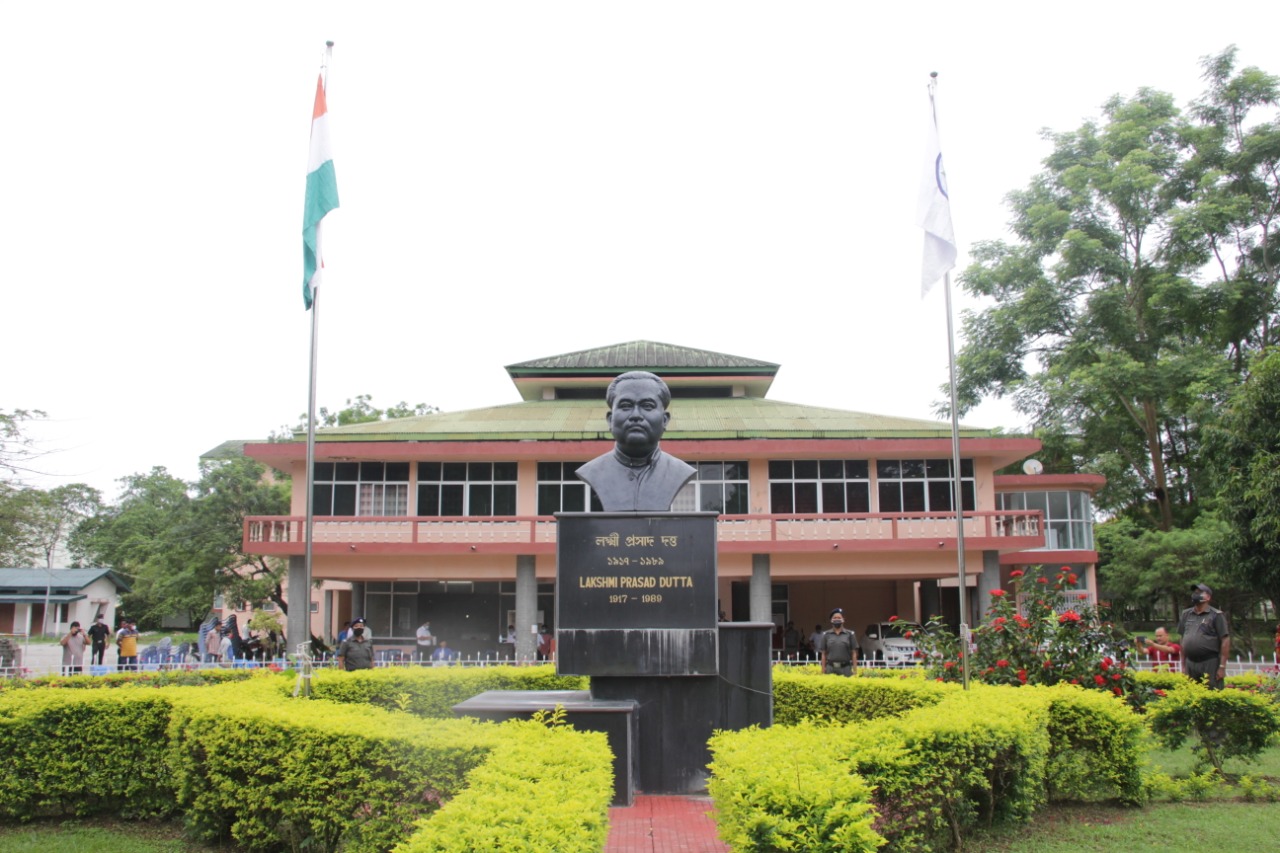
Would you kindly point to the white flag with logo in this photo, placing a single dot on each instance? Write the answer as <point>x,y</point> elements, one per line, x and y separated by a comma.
<point>934,214</point>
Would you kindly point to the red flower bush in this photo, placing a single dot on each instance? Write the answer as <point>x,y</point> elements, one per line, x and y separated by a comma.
<point>997,593</point>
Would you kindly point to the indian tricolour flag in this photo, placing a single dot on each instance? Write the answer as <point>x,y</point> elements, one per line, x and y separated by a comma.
<point>322,195</point>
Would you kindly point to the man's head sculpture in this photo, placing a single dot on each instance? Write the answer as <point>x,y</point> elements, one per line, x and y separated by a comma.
<point>636,476</point>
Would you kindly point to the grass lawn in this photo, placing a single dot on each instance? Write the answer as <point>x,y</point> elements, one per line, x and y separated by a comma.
<point>100,835</point>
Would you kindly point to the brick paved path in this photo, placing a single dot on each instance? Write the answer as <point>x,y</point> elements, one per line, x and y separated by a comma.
<point>664,824</point>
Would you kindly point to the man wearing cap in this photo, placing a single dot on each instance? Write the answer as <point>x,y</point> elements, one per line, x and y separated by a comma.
<point>356,652</point>
<point>1206,642</point>
<point>839,648</point>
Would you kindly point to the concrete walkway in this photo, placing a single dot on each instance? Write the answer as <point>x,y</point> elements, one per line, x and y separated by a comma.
<point>664,824</point>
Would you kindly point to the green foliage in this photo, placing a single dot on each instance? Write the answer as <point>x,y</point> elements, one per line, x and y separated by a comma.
<point>433,691</point>
<point>1031,634</point>
<point>273,774</point>
<point>790,788</point>
<point>1255,789</point>
<point>84,752</point>
<point>1096,747</point>
<point>179,543</point>
<point>1245,452</point>
<point>163,678</point>
<point>544,789</point>
<point>814,697</point>
<point>1222,723</point>
<point>1146,568</point>
<point>358,411</point>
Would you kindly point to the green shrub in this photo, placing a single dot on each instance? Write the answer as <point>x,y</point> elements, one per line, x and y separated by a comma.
<point>1162,681</point>
<point>790,788</point>
<point>801,696</point>
<point>163,678</point>
<point>433,691</point>
<point>84,752</point>
<point>273,774</point>
<point>543,790</point>
<point>1223,723</point>
<point>1095,745</point>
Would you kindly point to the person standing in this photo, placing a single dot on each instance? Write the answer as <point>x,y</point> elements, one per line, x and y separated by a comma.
<point>1206,640</point>
<point>838,648</point>
<point>425,641</point>
<point>127,646</point>
<point>815,640</point>
<point>73,645</point>
<point>98,633</point>
<point>1163,653</point>
<point>356,652</point>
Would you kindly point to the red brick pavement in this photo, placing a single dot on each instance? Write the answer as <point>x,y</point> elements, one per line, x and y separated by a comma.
<point>664,824</point>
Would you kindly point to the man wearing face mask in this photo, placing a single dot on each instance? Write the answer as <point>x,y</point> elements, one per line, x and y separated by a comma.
<point>839,648</point>
<point>356,652</point>
<point>1206,642</point>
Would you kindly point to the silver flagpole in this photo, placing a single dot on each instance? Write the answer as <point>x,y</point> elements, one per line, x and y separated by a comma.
<point>958,485</point>
<point>303,644</point>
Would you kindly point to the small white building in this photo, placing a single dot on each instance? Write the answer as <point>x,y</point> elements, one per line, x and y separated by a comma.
<point>70,595</point>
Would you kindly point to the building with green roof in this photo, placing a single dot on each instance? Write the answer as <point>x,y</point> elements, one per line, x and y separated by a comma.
<point>449,517</point>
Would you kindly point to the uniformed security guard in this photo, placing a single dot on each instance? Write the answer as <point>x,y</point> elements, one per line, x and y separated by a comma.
<point>839,648</point>
<point>1206,640</point>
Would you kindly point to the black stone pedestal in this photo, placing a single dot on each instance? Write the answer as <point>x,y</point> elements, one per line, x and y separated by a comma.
<point>617,719</point>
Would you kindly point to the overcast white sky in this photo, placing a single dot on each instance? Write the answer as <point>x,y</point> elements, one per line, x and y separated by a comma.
<point>518,179</point>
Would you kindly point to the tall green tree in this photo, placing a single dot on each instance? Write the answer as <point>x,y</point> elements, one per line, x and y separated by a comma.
<point>1097,330</point>
<point>358,411</point>
<point>1244,449</point>
<point>1229,222</point>
<point>52,515</point>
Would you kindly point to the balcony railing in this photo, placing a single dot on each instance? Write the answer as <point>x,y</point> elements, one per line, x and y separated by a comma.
<point>1004,530</point>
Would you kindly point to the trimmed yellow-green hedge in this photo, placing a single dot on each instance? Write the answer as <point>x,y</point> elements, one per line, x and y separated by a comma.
<point>922,780</point>
<point>245,762</point>
<point>84,752</point>
<point>276,774</point>
<point>164,678</point>
<point>807,695</point>
<point>543,790</point>
<point>433,691</point>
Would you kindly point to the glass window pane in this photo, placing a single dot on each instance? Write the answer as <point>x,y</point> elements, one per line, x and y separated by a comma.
<point>890,497</point>
<point>505,471</point>
<point>939,495</point>
<point>349,471</point>
<point>481,499</point>
<point>344,499</point>
<point>968,495</point>
<point>806,469</point>
<point>780,498</point>
<point>939,469</point>
<point>806,497</point>
<point>966,468</point>
<point>833,497</point>
<point>1037,500</point>
<point>378,586</point>
<point>504,500</point>
<point>322,499</point>
<point>1058,505</point>
<point>779,469</point>
<point>548,471</point>
<point>710,470</point>
<point>856,469</point>
<point>574,498</point>
<point>324,471</point>
<point>735,500</point>
<point>429,500</point>
<point>686,500</point>
<point>548,499</point>
<point>451,500</point>
<point>372,472</point>
<point>735,470</point>
<point>377,613</point>
<point>454,472</point>
<point>888,469</point>
<point>429,471</point>
<point>397,472</point>
<point>913,469</point>
<point>831,469</point>
<point>857,497</point>
<point>913,497</point>
<point>710,499</point>
<point>480,471</point>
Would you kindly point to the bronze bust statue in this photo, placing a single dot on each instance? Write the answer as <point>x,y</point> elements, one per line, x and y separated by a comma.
<point>636,476</point>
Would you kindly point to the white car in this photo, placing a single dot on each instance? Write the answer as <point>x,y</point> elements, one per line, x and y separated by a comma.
<point>883,641</point>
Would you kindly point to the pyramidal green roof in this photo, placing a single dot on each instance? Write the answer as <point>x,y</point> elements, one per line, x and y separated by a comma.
<point>642,355</point>
<point>691,419</point>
